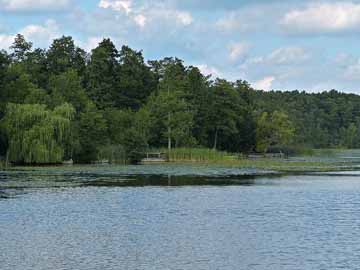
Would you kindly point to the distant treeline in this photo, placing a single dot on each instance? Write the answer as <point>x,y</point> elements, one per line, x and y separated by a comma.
<point>65,103</point>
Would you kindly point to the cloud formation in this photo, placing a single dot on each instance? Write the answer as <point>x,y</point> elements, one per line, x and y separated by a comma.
<point>42,35</point>
<point>323,18</point>
<point>238,50</point>
<point>264,84</point>
<point>33,5</point>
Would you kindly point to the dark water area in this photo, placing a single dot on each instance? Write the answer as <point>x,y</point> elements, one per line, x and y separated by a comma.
<point>177,217</point>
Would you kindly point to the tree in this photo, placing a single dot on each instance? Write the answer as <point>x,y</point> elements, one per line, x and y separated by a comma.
<point>17,85</point>
<point>92,134</point>
<point>172,117</point>
<point>66,87</point>
<point>102,75</point>
<point>136,81</point>
<point>198,96</point>
<point>36,134</point>
<point>130,130</point>
<point>63,55</point>
<point>349,135</point>
<point>4,63</point>
<point>223,111</point>
<point>20,48</point>
<point>36,66</point>
<point>273,129</point>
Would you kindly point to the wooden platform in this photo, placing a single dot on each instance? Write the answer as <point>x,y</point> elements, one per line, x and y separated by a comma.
<point>152,158</point>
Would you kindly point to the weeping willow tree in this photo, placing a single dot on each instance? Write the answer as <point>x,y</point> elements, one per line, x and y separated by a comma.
<point>36,134</point>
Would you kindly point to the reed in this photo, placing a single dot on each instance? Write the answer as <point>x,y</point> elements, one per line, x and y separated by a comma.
<point>197,155</point>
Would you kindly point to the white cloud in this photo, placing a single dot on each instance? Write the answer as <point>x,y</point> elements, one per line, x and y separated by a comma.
<point>41,35</point>
<point>344,59</point>
<point>183,17</point>
<point>234,22</point>
<point>264,84</point>
<point>238,50</point>
<point>281,56</point>
<point>6,41</point>
<point>124,5</point>
<point>288,55</point>
<point>141,15</point>
<point>323,17</point>
<point>91,43</point>
<point>208,70</point>
<point>352,72</point>
<point>33,5</point>
<point>140,20</point>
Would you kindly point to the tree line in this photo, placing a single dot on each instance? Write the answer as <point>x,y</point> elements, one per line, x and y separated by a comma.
<point>64,103</point>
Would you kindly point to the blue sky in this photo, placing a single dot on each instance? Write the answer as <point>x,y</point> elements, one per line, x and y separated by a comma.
<point>293,44</point>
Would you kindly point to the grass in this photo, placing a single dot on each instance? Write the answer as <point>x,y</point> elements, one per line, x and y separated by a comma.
<point>2,164</point>
<point>211,157</point>
<point>285,165</point>
<point>197,155</point>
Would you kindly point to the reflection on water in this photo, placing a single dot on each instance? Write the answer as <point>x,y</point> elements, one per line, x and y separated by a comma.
<point>126,176</point>
<point>113,218</point>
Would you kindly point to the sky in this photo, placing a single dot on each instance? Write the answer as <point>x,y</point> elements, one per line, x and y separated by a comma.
<point>282,45</point>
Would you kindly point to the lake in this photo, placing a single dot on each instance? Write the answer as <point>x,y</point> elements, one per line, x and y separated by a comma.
<point>177,217</point>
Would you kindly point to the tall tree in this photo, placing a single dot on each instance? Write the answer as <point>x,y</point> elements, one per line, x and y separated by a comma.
<point>20,48</point>
<point>63,54</point>
<point>102,74</point>
<point>136,81</point>
<point>172,117</point>
<point>4,63</point>
<point>198,96</point>
<point>224,108</point>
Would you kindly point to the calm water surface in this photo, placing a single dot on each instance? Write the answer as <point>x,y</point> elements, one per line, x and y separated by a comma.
<point>177,218</point>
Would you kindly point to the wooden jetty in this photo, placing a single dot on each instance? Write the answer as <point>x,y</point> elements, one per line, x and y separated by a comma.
<point>266,155</point>
<point>152,158</point>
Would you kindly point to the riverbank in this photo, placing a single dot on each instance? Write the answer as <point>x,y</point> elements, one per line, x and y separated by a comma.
<point>271,165</point>
<point>320,161</point>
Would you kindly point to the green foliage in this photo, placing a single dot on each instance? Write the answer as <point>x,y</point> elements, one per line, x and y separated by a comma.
<point>273,129</point>
<point>172,117</point>
<point>92,131</point>
<point>20,48</point>
<point>36,134</point>
<point>102,75</point>
<point>63,55</point>
<point>115,154</point>
<point>349,136</point>
<point>198,155</point>
<point>112,104</point>
<point>130,131</point>
<point>66,87</point>
<point>225,112</point>
<point>136,82</point>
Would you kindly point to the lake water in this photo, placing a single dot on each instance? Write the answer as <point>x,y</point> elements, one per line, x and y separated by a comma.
<point>177,217</point>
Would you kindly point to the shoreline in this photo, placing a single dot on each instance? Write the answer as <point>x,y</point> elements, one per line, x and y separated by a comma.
<point>273,165</point>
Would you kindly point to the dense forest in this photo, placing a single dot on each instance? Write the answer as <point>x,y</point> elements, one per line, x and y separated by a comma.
<point>65,103</point>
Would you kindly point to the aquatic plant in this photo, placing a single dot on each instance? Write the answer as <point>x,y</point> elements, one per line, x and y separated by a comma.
<point>197,155</point>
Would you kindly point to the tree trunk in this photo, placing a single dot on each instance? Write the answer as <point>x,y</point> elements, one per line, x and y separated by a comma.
<point>216,138</point>
<point>169,128</point>
<point>169,136</point>
<point>169,140</point>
